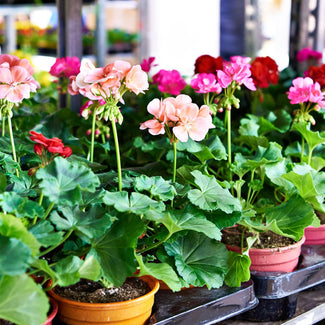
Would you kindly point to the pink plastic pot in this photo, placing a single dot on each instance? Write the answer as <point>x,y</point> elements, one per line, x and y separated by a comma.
<point>54,311</point>
<point>315,235</point>
<point>283,259</point>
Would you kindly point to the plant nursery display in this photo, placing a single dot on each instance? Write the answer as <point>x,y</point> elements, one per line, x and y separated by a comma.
<point>159,180</point>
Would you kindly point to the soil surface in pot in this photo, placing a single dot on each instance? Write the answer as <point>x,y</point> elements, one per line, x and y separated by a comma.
<point>5,322</point>
<point>94,292</point>
<point>232,236</point>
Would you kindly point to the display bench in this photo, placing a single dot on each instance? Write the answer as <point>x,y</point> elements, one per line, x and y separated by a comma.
<point>267,299</point>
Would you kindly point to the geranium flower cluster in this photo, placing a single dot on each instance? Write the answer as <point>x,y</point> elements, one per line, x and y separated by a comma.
<point>65,67</point>
<point>112,80</point>
<point>44,145</point>
<point>16,80</point>
<point>317,73</point>
<point>308,54</point>
<point>308,94</point>
<point>179,118</point>
<point>169,81</point>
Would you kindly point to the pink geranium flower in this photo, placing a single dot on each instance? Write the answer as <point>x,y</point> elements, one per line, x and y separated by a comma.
<point>14,84</point>
<point>240,73</point>
<point>65,67</point>
<point>169,81</point>
<point>206,83</point>
<point>305,90</point>
<point>16,81</point>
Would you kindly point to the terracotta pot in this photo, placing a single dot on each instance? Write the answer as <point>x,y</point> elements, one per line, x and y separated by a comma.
<point>54,311</point>
<point>282,259</point>
<point>315,235</point>
<point>131,312</point>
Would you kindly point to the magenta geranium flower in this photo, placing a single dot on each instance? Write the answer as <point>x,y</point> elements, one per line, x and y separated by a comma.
<point>147,64</point>
<point>307,54</point>
<point>169,81</point>
<point>240,73</point>
<point>65,67</point>
<point>206,83</point>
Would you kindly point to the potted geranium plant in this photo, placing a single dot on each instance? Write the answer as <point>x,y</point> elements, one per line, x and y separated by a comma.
<point>256,172</point>
<point>68,221</point>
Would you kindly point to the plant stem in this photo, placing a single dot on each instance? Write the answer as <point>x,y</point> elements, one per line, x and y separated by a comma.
<point>3,125</point>
<point>310,153</point>
<point>47,212</point>
<point>67,235</point>
<point>118,159</point>
<point>228,114</point>
<point>93,125</point>
<point>175,161</point>
<point>12,143</point>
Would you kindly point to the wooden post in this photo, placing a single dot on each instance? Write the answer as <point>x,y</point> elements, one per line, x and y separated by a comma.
<point>69,40</point>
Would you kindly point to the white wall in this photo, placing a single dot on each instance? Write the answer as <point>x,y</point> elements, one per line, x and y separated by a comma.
<point>176,32</point>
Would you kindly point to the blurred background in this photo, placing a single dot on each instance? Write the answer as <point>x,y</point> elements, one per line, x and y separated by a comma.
<point>175,32</point>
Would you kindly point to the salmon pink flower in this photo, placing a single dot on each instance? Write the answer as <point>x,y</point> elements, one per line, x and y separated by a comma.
<point>136,80</point>
<point>193,122</point>
<point>169,81</point>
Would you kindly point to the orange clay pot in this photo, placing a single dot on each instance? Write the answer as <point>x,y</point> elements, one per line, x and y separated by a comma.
<point>282,259</point>
<point>131,312</point>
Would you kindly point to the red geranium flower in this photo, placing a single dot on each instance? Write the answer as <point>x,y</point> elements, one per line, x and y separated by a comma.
<point>317,74</point>
<point>208,64</point>
<point>264,72</point>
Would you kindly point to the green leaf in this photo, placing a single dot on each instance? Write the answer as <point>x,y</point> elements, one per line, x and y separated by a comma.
<point>3,182</point>
<point>90,269</point>
<point>7,162</point>
<point>22,300</point>
<point>14,227</point>
<point>67,270</point>
<point>238,269</point>
<point>213,150</point>
<point>313,138</point>
<point>161,271</point>
<point>156,186</point>
<point>199,259</point>
<point>306,187</point>
<point>62,181</point>
<point>115,250</point>
<point>290,218</point>
<point>190,218</point>
<point>263,156</point>
<point>14,256</point>
<point>211,196</point>
<point>138,203</point>
<point>45,233</point>
<point>222,219</point>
